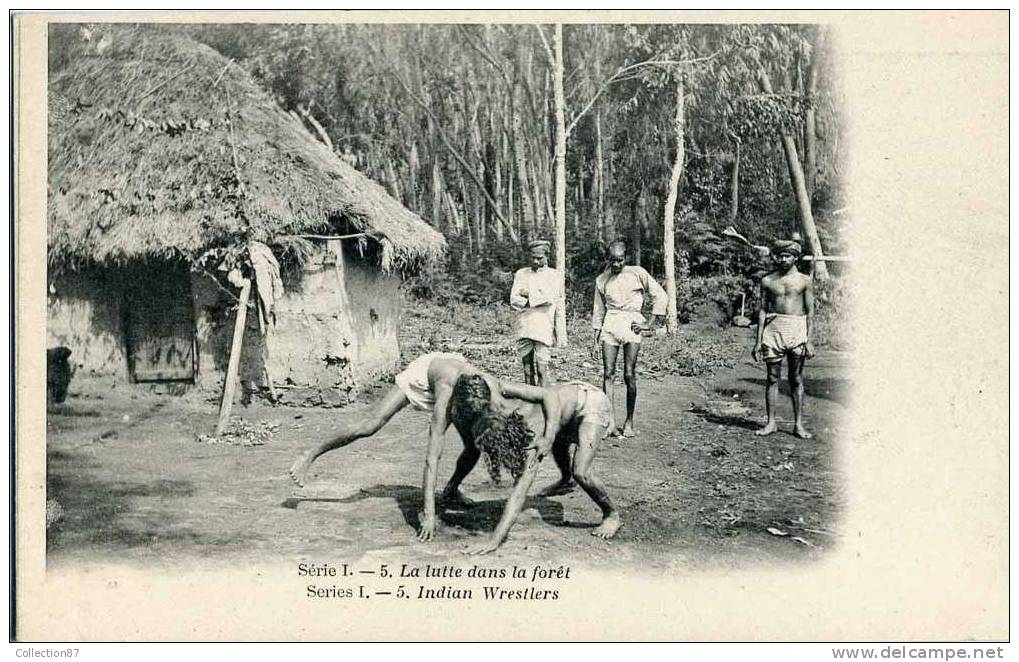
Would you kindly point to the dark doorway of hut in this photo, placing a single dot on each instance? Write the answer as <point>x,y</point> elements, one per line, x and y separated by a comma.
<point>159,323</point>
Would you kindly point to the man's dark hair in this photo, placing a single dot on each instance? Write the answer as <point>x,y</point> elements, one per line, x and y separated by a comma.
<point>503,439</point>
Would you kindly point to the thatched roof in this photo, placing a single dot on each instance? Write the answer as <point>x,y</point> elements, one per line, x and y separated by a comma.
<point>160,146</point>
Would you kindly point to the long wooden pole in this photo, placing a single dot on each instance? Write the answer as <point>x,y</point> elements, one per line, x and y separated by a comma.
<point>235,358</point>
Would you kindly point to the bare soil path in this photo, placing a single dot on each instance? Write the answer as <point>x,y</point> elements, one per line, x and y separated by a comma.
<point>128,482</point>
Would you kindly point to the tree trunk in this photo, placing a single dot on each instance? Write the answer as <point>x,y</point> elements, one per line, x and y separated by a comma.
<point>492,175</point>
<point>810,121</point>
<point>498,195</point>
<point>412,178</point>
<point>392,183</point>
<point>799,189</point>
<point>578,206</point>
<point>560,177</point>
<point>734,186</point>
<point>507,169</point>
<point>668,232</point>
<point>599,180</point>
<point>453,212</point>
<point>436,195</point>
<point>506,161</point>
<point>607,174</point>
<point>479,213</point>
<point>520,155</point>
<point>319,130</point>
<point>540,215</point>
<point>549,174</point>
<point>468,207</point>
<point>638,220</point>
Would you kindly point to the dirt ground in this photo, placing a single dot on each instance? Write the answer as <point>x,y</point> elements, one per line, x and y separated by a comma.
<point>128,482</point>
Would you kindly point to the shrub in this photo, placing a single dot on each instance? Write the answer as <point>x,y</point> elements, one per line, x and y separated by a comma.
<point>832,314</point>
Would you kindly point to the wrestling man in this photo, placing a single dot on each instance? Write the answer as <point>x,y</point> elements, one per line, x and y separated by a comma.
<point>576,414</point>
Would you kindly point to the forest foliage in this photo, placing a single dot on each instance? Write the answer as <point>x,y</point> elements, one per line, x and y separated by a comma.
<point>458,123</point>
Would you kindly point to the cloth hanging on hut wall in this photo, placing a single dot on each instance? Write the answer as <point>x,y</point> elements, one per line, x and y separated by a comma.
<point>267,278</point>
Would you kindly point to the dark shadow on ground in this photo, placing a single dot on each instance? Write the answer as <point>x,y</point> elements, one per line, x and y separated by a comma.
<point>728,420</point>
<point>485,515</point>
<point>69,409</point>
<point>408,500</point>
<point>481,516</point>
<point>828,388</point>
<point>98,514</point>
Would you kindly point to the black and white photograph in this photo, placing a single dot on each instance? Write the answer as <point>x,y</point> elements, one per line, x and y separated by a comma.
<point>464,314</point>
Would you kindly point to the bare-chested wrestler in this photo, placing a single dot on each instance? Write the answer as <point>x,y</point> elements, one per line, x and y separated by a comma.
<point>575,413</point>
<point>443,384</point>
<point>426,384</point>
<point>783,331</point>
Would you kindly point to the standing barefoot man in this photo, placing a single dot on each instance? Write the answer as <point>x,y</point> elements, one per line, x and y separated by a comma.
<point>619,294</point>
<point>783,331</point>
<point>535,296</point>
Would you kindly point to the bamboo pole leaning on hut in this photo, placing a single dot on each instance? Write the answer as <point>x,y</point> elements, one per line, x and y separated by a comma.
<point>235,357</point>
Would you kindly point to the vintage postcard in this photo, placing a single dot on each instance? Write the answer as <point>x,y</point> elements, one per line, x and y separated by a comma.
<point>511,326</point>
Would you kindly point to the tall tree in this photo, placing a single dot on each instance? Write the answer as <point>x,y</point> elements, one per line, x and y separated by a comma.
<point>734,180</point>
<point>668,231</point>
<point>560,175</point>
<point>799,186</point>
<point>810,116</point>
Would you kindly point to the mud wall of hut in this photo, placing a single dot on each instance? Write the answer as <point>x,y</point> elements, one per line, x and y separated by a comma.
<point>336,326</point>
<point>215,312</point>
<point>83,315</point>
<point>374,299</point>
<point>310,349</point>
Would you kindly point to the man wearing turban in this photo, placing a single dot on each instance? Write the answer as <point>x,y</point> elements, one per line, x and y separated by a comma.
<point>783,331</point>
<point>536,298</point>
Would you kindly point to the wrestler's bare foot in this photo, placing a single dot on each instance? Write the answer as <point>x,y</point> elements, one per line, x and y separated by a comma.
<point>802,432</point>
<point>456,498</point>
<point>770,428</point>
<point>299,469</point>
<point>629,430</point>
<point>558,488</point>
<point>608,527</point>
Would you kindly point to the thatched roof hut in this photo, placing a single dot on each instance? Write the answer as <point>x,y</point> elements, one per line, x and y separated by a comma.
<point>161,147</point>
<point>163,154</point>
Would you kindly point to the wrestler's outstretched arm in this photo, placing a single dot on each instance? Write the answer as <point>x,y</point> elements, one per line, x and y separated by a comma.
<point>436,437</point>
<point>551,408</point>
<point>520,391</point>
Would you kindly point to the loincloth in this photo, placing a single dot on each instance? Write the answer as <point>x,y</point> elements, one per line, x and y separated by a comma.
<point>615,329</point>
<point>783,335</point>
<point>525,346</point>
<point>413,381</point>
<point>593,406</point>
